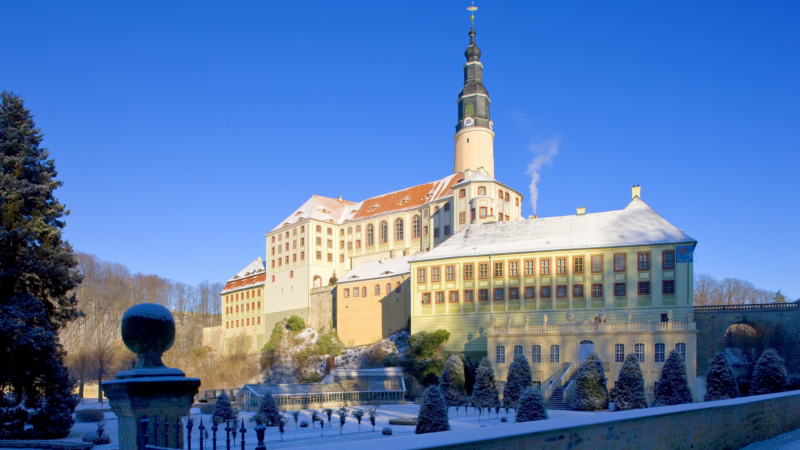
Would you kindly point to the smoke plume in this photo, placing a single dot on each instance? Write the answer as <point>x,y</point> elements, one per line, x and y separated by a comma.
<point>544,153</point>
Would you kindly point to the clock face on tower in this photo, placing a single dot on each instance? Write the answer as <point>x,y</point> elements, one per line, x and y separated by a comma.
<point>468,122</point>
<point>491,124</point>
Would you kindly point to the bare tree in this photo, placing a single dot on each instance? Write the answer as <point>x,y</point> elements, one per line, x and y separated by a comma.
<point>729,291</point>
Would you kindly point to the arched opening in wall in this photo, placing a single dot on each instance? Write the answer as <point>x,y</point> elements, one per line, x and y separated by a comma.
<point>317,281</point>
<point>585,348</point>
<point>743,347</point>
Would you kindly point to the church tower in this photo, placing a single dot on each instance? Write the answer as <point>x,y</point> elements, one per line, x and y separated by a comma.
<point>474,138</point>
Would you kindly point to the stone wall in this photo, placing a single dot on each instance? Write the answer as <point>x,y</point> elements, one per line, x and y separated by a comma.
<point>321,308</point>
<point>727,424</point>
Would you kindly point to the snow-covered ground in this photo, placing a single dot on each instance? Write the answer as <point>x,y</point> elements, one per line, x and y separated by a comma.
<point>788,441</point>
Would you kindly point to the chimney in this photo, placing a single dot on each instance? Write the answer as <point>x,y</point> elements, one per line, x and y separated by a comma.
<point>581,211</point>
<point>533,217</point>
<point>467,173</point>
<point>636,191</point>
<point>340,198</point>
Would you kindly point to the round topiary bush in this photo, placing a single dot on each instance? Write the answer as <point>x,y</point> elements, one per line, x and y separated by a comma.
<point>304,424</point>
<point>504,419</point>
<point>96,439</point>
<point>206,408</point>
<point>387,431</point>
<point>89,415</point>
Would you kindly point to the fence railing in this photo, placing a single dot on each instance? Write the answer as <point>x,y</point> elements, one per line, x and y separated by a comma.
<point>573,328</point>
<point>756,306</point>
<point>172,439</point>
<point>212,394</point>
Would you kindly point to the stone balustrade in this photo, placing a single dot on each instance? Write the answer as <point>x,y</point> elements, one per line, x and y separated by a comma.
<point>575,328</point>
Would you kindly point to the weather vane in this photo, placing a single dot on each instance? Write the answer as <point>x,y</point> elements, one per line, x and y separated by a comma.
<point>472,10</point>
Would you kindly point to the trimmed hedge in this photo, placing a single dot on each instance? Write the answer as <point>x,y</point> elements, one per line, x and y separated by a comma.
<point>89,415</point>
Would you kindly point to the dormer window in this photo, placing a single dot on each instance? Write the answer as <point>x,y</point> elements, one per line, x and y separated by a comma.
<point>324,210</point>
<point>403,201</point>
<point>298,213</point>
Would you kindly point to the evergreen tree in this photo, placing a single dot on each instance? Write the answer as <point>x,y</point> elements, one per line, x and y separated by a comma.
<point>223,410</point>
<point>591,393</point>
<point>531,406</point>
<point>452,381</point>
<point>432,412</point>
<point>720,382</point>
<point>519,379</point>
<point>267,411</point>
<point>484,392</point>
<point>673,389</point>
<point>36,277</point>
<point>630,386</point>
<point>770,374</point>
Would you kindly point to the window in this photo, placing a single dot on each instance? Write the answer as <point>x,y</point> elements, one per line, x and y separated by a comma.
<point>516,201</point>
<point>668,259</point>
<point>481,191</point>
<point>347,293</point>
<point>319,228</point>
<point>378,290</point>
<point>330,231</point>
<point>546,292</point>
<point>530,267</point>
<point>447,206</point>
<point>468,296</point>
<point>619,262</point>
<point>561,291</point>
<point>356,291</point>
<point>501,354</point>
<point>644,261</point>
<point>436,233</point>
<point>483,211</point>
<point>668,287</point>
<point>555,356</point>
<point>498,270</point>
<point>680,347</point>
<point>425,230</point>
<point>440,297</point>
<point>536,354</point>
<point>388,288</point>
<point>273,278</point>
<point>273,239</point>
<point>436,210</point>
<point>358,244</point>
<point>364,291</point>
<point>426,298</point>
<point>530,292</point>
<point>577,264</point>
<point>291,274</point>
<point>453,296</point>
<point>462,193</point>
<point>644,288</point>
<point>302,242</point>
<point>499,294</point>
<point>273,251</point>
<point>302,256</point>
<point>449,273</point>
<point>468,271</point>
<point>370,235</point>
<point>319,240</point>
<point>507,197</point>
<point>483,295</point>
<point>483,270</point>
<point>561,266</point>
<point>545,270</point>
<point>638,350</point>
<point>660,350</point>
<point>349,245</point>
<point>341,232</point>
<point>513,268</point>
<point>383,229</point>
<point>500,194</point>
<point>513,293</point>
<point>302,229</point>
<point>472,214</point>
<point>597,264</point>
<point>577,290</point>
<point>341,245</point>
<point>597,290</point>
<point>330,257</point>
<point>349,230</point>
<point>434,274</point>
<point>447,230</point>
<point>421,276</point>
<point>517,350</point>
<point>619,289</point>
<point>398,288</point>
<point>619,353</point>
<point>462,217</point>
<point>415,226</point>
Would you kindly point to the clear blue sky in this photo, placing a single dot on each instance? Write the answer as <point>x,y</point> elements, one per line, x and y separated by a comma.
<point>184,131</point>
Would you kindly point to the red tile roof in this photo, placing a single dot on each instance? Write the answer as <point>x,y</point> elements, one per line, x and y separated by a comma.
<point>409,198</point>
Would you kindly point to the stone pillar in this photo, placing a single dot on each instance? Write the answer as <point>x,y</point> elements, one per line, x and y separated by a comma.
<point>152,389</point>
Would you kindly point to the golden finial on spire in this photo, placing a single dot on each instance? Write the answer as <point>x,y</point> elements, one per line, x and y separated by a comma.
<point>472,10</point>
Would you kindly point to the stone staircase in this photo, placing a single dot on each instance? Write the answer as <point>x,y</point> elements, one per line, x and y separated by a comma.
<point>557,400</point>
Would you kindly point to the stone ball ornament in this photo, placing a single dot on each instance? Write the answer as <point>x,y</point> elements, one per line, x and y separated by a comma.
<point>148,329</point>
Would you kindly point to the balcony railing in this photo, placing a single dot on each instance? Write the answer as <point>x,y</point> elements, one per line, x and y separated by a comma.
<point>757,306</point>
<point>574,328</point>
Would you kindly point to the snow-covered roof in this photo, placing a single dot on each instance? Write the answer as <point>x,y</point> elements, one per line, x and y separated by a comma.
<point>321,208</point>
<point>253,274</point>
<point>256,266</point>
<point>377,269</point>
<point>637,224</point>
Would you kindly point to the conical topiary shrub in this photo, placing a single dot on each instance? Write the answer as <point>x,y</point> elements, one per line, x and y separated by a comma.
<point>630,386</point>
<point>267,412</point>
<point>223,410</point>
<point>452,381</point>
<point>519,379</point>
<point>591,393</point>
<point>432,412</point>
<point>673,389</point>
<point>769,375</point>
<point>720,382</point>
<point>484,392</point>
<point>531,406</point>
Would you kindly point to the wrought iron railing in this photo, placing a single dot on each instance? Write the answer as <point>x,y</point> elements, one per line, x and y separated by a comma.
<point>755,306</point>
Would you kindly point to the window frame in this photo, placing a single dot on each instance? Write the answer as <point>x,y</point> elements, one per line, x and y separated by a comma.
<point>624,262</point>
<point>462,193</point>
<point>664,287</point>
<point>641,284</point>
<point>640,355</point>
<point>510,269</point>
<point>549,294</point>
<point>583,291</point>
<point>483,212</point>
<point>436,274</point>
<point>657,353</point>
<point>383,232</point>
<point>422,275</point>
<point>498,266</point>
<point>450,296</point>
<point>682,351</point>
<point>555,356</point>
<point>566,265</point>
<point>664,260</point>
<point>426,298</point>
<point>639,261</point>
<point>549,262</point>
<point>500,354</point>
<point>377,289</point>
<point>566,291</point>
<point>436,298</point>
<point>494,294</point>
<point>511,290</point>
<point>619,352</point>
<point>370,235</point>
<point>469,271</point>
<point>591,259</point>
<point>624,289</point>
<point>416,227</point>
<point>481,190</point>
<point>486,263</point>
<point>532,289</point>
<point>399,234</point>
<point>574,264</point>
<point>462,217</point>
<point>601,290</point>
<point>450,269</point>
<point>536,354</point>
<point>482,291</point>
<point>471,291</point>
<point>525,267</point>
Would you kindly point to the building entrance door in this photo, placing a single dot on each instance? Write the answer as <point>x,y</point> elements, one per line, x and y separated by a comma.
<point>585,349</point>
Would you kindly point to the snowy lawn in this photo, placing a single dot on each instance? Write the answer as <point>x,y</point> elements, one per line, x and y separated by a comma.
<point>788,441</point>
<point>301,437</point>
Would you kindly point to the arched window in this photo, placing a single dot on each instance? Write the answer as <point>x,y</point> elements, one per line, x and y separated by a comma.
<point>638,350</point>
<point>555,354</point>
<point>619,353</point>
<point>364,291</point>
<point>383,229</point>
<point>388,288</point>
<point>317,281</point>
<point>680,347</point>
<point>501,354</point>
<point>398,230</point>
<point>358,228</point>
<point>660,350</point>
<point>481,191</point>
<point>356,291</point>
<point>517,350</point>
<point>377,290</point>
<point>536,354</point>
<point>500,194</point>
<point>462,193</point>
<point>370,235</point>
<point>415,224</point>
<point>507,197</point>
<point>397,289</point>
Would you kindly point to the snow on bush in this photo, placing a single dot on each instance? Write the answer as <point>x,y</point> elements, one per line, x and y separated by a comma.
<point>630,386</point>
<point>268,412</point>
<point>452,382</point>
<point>484,392</point>
<point>720,382</point>
<point>365,356</point>
<point>223,410</point>
<point>591,393</point>
<point>432,412</point>
<point>769,375</point>
<point>673,389</point>
<point>531,406</point>
<point>519,379</point>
